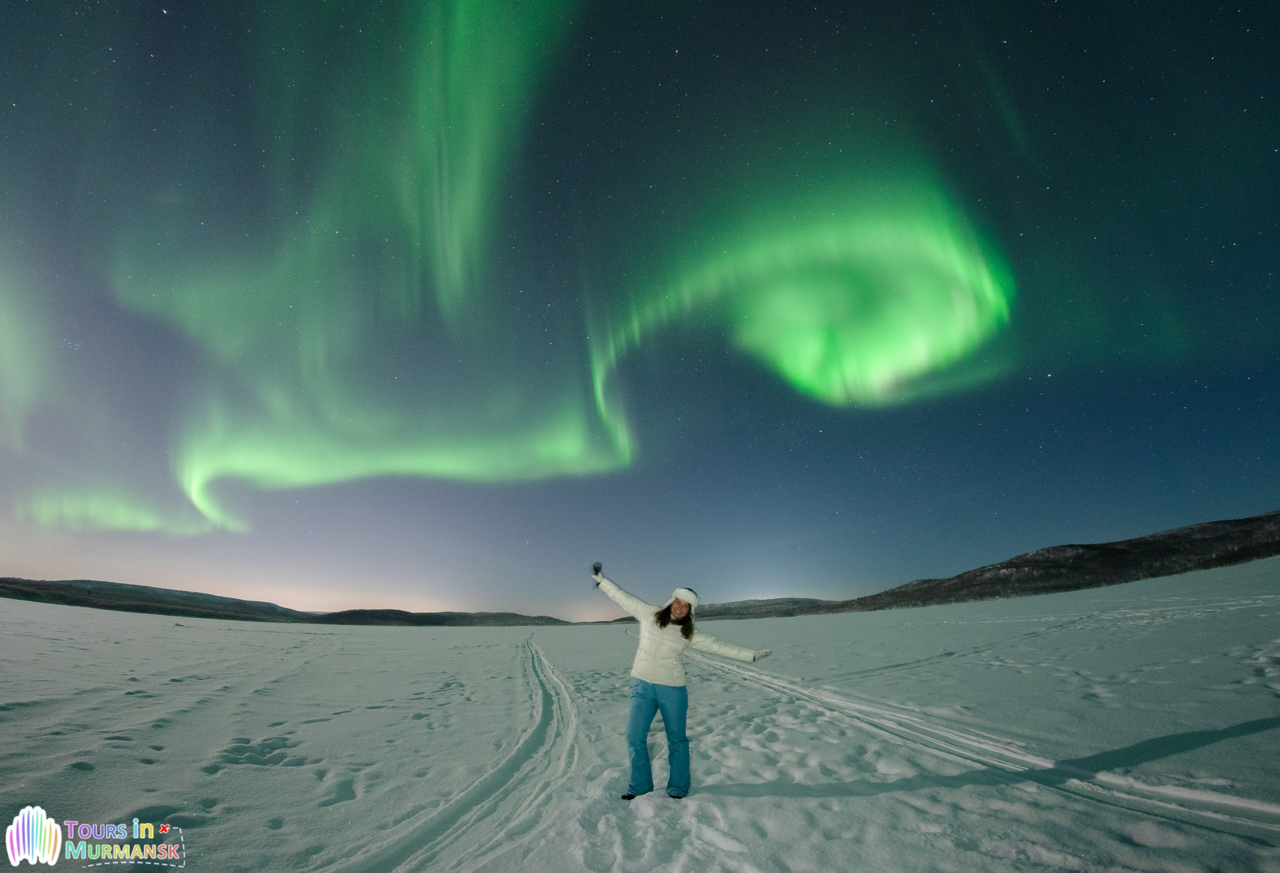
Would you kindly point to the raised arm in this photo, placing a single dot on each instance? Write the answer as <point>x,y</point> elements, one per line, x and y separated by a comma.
<point>629,602</point>
<point>704,643</point>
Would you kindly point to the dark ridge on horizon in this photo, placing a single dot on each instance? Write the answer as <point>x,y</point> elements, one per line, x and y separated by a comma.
<point>774,607</point>
<point>1076,567</point>
<point>433,619</point>
<point>1054,569</point>
<point>121,597</point>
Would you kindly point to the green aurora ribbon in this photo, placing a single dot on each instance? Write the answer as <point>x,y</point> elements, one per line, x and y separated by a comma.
<point>852,296</point>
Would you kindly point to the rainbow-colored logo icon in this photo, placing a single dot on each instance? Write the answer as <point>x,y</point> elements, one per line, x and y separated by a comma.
<point>33,837</point>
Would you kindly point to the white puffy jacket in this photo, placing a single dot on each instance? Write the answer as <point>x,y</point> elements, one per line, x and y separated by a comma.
<point>659,660</point>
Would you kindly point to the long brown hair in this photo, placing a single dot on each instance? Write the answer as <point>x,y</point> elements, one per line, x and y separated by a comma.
<point>663,618</point>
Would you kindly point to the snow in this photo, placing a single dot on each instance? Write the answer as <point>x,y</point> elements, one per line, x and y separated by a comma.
<point>1126,728</point>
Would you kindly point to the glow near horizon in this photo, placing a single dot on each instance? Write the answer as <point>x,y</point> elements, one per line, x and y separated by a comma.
<point>859,306</point>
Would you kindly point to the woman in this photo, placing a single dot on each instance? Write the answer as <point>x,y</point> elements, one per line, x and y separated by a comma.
<point>658,681</point>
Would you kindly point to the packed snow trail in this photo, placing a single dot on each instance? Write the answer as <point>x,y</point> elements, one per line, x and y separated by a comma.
<point>501,811</point>
<point>1205,808</point>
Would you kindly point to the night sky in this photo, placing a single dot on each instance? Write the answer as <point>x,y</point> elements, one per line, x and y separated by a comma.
<point>429,305</point>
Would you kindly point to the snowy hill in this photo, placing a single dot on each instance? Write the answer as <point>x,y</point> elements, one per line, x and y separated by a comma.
<point>1076,567</point>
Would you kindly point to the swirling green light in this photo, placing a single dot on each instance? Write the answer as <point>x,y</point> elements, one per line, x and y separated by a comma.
<point>23,361</point>
<point>859,306</point>
<point>324,361</point>
<point>103,509</point>
<point>418,122</point>
<point>472,99</point>
<point>405,209</point>
<point>290,451</point>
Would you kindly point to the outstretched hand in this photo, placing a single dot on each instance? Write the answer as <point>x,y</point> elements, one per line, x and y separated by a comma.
<point>762,654</point>
<point>599,577</point>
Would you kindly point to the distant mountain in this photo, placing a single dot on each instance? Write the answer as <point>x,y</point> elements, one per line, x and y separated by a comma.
<point>141,598</point>
<point>777,607</point>
<point>1073,567</point>
<point>433,619</point>
<point>1061,568</point>
<point>1058,568</point>
<point>163,601</point>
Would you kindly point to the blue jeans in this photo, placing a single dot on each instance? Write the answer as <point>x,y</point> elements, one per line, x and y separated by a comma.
<point>646,700</point>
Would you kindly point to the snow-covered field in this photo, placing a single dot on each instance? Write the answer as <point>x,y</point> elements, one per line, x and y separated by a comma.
<point>1127,728</point>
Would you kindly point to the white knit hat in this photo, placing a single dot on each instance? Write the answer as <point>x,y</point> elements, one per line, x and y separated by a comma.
<point>688,595</point>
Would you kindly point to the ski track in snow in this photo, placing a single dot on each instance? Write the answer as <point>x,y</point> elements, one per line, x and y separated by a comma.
<point>1205,808</point>
<point>489,823</point>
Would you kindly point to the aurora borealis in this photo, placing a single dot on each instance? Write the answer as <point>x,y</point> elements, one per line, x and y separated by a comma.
<point>428,305</point>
